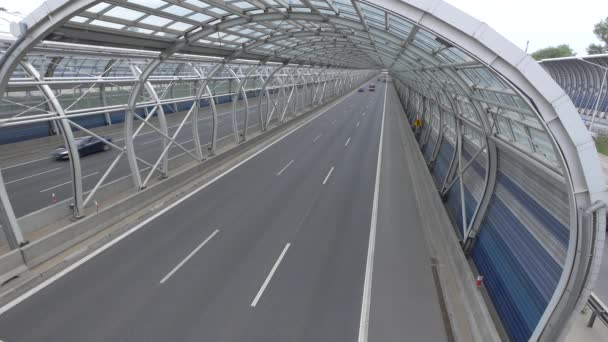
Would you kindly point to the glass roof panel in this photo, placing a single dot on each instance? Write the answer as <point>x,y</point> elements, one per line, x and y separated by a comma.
<point>107,24</point>
<point>177,10</point>
<point>149,3</point>
<point>124,13</point>
<point>98,8</point>
<point>155,21</point>
<point>180,26</point>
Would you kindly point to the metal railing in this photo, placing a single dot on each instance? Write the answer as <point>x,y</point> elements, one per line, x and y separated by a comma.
<point>598,309</point>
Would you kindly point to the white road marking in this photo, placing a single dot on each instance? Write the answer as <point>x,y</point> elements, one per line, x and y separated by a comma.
<point>369,267</point>
<point>189,256</point>
<point>101,249</point>
<point>274,268</point>
<point>347,141</point>
<point>284,168</point>
<point>357,125</point>
<point>317,138</point>
<point>328,175</point>
<point>151,141</point>
<point>363,114</point>
<point>27,162</point>
<point>34,175</point>
<point>66,183</point>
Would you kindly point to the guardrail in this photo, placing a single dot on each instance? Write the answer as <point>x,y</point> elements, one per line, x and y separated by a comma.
<point>599,310</point>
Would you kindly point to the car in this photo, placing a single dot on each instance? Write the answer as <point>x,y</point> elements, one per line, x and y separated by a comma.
<point>361,90</point>
<point>85,145</point>
<point>372,87</point>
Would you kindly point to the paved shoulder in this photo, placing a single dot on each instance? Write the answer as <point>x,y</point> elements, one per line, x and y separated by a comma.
<point>404,302</point>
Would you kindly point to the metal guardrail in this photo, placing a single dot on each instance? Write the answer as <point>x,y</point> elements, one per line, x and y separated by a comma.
<point>599,310</point>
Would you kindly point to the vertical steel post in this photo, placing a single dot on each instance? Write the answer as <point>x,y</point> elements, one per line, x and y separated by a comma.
<point>8,220</point>
<point>262,90</point>
<point>162,120</point>
<point>68,138</point>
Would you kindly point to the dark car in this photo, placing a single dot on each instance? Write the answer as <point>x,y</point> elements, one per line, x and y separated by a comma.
<point>361,90</point>
<point>85,145</point>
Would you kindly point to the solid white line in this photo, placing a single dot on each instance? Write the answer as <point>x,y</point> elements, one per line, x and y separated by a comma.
<point>317,138</point>
<point>357,125</point>
<point>369,267</point>
<point>284,168</point>
<point>34,175</point>
<point>189,256</point>
<point>274,268</point>
<point>66,183</point>
<point>347,141</point>
<point>100,250</point>
<point>328,175</point>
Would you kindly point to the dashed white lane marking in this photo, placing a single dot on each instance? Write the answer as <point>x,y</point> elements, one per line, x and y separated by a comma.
<point>363,114</point>
<point>328,175</point>
<point>317,138</point>
<point>274,268</point>
<point>357,125</point>
<point>176,268</point>
<point>66,183</point>
<point>284,168</point>
<point>34,175</point>
<point>347,141</point>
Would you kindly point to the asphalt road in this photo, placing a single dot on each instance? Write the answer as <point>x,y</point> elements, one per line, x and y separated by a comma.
<point>273,251</point>
<point>31,185</point>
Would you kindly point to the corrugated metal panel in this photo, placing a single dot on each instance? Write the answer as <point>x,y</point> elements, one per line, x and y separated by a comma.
<point>522,244</point>
<point>519,275</point>
<point>545,189</point>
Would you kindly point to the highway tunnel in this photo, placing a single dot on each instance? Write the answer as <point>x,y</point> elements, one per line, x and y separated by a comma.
<point>511,160</point>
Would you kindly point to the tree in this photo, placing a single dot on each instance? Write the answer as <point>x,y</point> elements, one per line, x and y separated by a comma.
<point>596,49</point>
<point>601,32</point>
<point>563,50</point>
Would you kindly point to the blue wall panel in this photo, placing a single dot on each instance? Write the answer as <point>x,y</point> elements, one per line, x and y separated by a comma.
<point>117,117</point>
<point>13,134</point>
<point>455,209</point>
<point>89,121</point>
<point>442,163</point>
<point>428,148</point>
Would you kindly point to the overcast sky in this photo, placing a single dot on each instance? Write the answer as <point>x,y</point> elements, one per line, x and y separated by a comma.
<point>542,22</point>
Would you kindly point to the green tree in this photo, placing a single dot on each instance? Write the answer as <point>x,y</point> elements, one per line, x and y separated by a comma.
<point>563,50</point>
<point>601,32</point>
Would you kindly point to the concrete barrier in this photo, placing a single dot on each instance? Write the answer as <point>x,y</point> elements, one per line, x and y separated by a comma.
<point>11,265</point>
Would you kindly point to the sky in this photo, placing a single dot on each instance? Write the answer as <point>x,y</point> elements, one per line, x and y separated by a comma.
<point>542,22</point>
